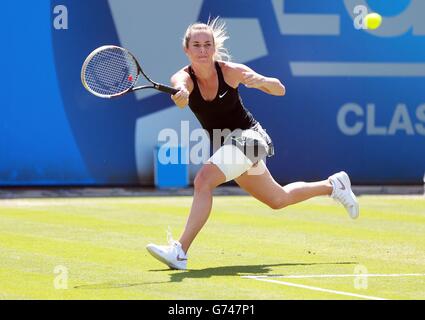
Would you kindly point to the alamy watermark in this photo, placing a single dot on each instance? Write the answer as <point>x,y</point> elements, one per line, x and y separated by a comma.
<point>60,20</point>
<point>361,278</point>
<point>233,147</point>
<point>360,13</point>
<point>60,281</point>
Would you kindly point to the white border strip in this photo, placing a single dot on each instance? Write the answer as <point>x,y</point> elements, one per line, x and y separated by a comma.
<point>317,289</point>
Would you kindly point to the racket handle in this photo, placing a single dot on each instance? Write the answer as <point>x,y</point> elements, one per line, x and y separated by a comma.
<point>166,89</point>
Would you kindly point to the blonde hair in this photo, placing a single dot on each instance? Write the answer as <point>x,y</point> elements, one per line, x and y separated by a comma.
<point>217,27</point>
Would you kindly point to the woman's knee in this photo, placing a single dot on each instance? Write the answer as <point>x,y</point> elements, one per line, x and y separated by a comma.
<point>278,202</point>
<point>208,178</point>
<point>200,181</point>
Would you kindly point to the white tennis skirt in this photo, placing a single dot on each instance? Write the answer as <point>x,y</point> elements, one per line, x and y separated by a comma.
<point>241,151</point>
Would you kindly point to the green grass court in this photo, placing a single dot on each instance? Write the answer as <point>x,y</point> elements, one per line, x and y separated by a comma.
<point>312,250</point>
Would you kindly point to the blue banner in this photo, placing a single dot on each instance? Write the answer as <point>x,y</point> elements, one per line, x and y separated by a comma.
<point>354,100</point>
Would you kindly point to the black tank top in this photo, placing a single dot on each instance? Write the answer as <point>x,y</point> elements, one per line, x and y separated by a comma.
<point>226,111</point>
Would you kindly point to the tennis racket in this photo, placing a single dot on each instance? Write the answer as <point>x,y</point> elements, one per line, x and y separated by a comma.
<point>111,71</point>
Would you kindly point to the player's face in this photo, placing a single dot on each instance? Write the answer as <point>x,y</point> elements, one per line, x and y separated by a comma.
<point>201,47</point>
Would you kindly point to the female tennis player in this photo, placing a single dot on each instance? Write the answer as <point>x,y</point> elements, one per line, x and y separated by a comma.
<point>209,85</point>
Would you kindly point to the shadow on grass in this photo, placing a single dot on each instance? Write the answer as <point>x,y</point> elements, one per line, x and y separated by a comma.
<point>261,269</point>
<point>179,276</point>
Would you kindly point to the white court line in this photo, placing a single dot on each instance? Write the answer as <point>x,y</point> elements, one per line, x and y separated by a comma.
<point>339,275</point>
<point>317,289</point>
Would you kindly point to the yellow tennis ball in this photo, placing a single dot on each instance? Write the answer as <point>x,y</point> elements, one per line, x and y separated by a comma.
<point>373,21</point>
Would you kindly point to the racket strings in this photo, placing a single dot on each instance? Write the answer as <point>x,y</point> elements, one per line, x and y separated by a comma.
<point>111,71</point>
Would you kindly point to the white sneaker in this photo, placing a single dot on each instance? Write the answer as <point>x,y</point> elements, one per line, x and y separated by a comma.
<point>343,194</point>
<point>172,255</point>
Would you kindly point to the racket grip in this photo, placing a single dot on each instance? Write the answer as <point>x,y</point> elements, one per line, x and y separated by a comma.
<point>166,89</point>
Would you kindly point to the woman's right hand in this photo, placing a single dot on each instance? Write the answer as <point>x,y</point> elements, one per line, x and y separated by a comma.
<point>181,98</point>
